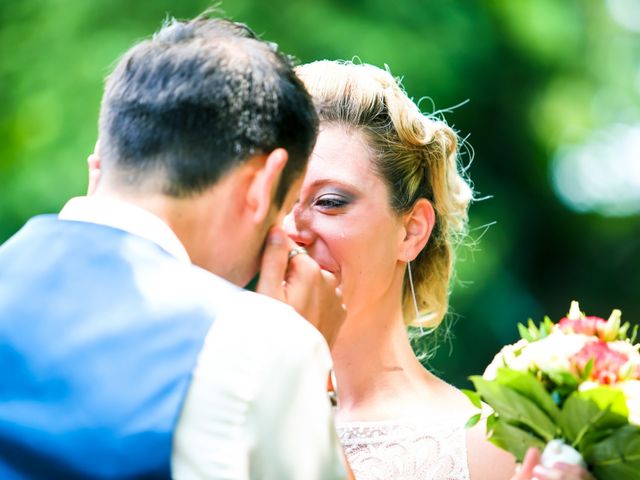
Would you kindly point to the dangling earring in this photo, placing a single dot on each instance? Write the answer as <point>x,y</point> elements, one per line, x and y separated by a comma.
<point>413,295</point>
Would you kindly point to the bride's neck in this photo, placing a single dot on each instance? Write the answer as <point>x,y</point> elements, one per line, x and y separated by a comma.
<point>374,363</point>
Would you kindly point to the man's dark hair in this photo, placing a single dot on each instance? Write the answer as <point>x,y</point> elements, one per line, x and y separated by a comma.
<point>196,99</point>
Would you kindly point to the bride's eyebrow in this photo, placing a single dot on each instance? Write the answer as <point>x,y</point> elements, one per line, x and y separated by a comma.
<point>321,182</point>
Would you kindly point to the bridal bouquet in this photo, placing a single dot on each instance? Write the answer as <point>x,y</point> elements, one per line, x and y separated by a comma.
<point>571,389</point>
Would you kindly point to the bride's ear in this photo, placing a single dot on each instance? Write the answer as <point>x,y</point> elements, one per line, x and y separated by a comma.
<point>418,225</point>
<point>261,192</point>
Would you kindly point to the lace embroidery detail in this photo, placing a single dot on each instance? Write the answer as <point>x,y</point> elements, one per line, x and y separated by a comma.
<point>406,450</point>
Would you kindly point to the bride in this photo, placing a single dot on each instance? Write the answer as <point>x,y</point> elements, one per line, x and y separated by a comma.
<point>382,206</point>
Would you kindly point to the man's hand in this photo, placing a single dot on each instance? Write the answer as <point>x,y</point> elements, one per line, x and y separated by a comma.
<point>300,282</point>
<point>531,469</point>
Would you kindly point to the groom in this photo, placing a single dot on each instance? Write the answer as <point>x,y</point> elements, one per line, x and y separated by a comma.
<point>127,349</point>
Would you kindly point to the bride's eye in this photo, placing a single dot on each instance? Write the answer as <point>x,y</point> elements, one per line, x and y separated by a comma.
<point>330,202</point>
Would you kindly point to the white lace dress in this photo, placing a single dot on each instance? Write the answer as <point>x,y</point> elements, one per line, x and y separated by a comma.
<point>411,449</point>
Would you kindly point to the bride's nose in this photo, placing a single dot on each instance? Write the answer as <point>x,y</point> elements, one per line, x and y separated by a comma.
<point>295,227</point>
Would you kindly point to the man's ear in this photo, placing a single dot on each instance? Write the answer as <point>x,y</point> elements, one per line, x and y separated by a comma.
<point>264,183</point>
<point>418,225</point>
<point>93,163</point>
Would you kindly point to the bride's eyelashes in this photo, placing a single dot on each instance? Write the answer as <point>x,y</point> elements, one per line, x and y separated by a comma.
<point>331,201</point>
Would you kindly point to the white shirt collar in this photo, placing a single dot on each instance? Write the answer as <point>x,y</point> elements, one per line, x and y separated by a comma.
<point>125,216</point>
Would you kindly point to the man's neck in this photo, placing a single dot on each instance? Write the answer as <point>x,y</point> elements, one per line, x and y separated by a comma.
<point>157,204</point>
<point>209,224</point>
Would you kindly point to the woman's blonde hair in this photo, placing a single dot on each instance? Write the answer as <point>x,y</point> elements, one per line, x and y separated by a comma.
<point>415,154</point>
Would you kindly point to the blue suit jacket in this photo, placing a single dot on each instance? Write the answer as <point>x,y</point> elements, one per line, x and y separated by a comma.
<point>99,333</point>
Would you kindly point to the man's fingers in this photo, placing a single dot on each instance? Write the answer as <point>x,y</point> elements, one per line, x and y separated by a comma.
<point>274,265</point>
<point>304,275</point>
<point>315,295</point>
<point>330,278</point>
<point>303,270</point>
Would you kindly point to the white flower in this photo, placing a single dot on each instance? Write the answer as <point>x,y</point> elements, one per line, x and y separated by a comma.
<point>552,353</point>
<point>505,358</point>
<point>631,390</point>
<point>558,451</point>
<point>631,368</point>
<point>624,347</point>
<point>587,385</point>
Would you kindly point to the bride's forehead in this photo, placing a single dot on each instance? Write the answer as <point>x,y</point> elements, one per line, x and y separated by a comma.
<point>338,152</point>
<point>342,168</point>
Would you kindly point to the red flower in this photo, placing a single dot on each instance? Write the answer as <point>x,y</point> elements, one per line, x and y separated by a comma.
<point>594,326</point>
<point>607,363</point>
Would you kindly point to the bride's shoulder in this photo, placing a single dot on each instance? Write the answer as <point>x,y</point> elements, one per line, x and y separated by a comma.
<point>485,459</point>
<point>447,397</point>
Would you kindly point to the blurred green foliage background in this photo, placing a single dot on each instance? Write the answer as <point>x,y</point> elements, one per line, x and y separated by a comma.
<point>553,116</point>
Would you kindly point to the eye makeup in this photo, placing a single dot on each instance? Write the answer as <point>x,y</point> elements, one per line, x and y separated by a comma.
<point>332,199</point>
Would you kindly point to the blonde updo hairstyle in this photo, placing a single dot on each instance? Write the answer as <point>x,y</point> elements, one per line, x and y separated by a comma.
<point>415,155</point>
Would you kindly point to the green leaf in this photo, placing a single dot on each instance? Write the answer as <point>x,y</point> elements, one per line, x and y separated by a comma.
<point>473,420</point>
<point>530,387</point>
<point>474,397</point>
<point>515,408</point>
<point>565,380</point>
<point>533,329</point>
<point>586,413</point>
<point>544,331</point>
<point>513,439</point>
<point>491,420</point>
<point>617,457</point>
<point>587,369</point>
<point>524,333</point>
<point>546,327</point>
<point>622,333</point>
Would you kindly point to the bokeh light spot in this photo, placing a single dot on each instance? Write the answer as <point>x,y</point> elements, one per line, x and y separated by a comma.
<point>601,175</point>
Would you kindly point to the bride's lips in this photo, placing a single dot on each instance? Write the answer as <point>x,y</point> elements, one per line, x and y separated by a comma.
<point>324,266</point>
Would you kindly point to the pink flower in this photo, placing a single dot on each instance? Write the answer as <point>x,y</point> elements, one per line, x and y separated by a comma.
<point>594,326</point>
<point>578,322</point>
<point>607,363</point>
